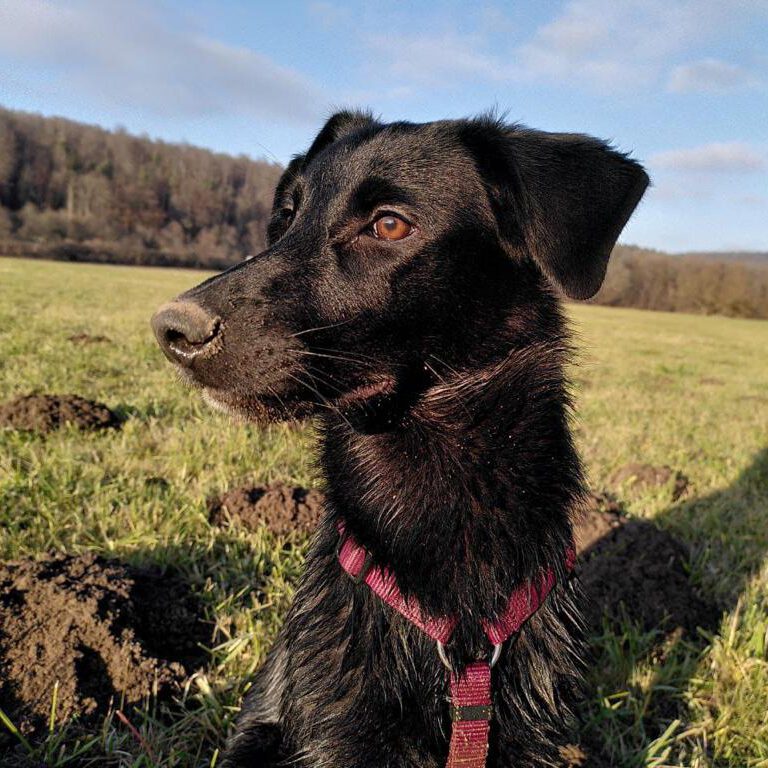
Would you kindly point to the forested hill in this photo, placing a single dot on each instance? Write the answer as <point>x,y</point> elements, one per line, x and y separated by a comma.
<point>76,191</point>
<point>747,257</point>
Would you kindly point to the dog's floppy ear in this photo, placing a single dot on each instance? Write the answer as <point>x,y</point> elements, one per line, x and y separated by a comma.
<point>563,197</point>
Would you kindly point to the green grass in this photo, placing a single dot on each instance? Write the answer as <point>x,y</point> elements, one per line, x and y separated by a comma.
<point>687,391</point>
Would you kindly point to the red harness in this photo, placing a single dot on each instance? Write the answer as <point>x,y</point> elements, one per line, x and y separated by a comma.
<point>471,705</point>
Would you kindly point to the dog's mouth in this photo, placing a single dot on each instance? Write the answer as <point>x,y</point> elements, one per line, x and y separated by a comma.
<point>384,386</point>
<point>368,400</point>
<point>369,396</point>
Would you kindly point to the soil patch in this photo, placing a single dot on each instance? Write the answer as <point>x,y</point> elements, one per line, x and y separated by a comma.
<point>283,509</point>
<point>602,513</point>
<point>631,569</point>
<point>106,632</point>
<point>87,338</point>
<point>44,413</point>
<point>644,476</point>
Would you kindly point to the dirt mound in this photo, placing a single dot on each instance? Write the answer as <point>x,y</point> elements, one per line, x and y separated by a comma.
<point>632,569</point>
<point>101,629</point>
<point>644,476</point>
<point>87,338</point>
<point>602,514</point>
<point>282,508</point>
<point>44,413</point>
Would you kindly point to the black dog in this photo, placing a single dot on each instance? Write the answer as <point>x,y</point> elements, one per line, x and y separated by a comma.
<point>408,297</point>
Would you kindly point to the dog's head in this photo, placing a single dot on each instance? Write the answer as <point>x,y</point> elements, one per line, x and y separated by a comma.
<point>396,251</point>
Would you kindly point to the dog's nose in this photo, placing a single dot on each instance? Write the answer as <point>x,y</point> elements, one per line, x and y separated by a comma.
<point>186,331</point>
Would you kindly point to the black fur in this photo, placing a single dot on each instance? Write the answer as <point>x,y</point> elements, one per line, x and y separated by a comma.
<point>435,366</point>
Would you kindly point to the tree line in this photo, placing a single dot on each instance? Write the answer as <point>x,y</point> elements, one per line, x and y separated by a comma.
<point>735,285</point>
<point>81,193</point>
<point>76,191</point>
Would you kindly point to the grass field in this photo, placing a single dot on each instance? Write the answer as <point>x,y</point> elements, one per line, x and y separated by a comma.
<point>687,391</point>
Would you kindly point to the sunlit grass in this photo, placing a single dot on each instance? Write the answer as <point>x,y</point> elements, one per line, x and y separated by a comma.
<point>690,392</point>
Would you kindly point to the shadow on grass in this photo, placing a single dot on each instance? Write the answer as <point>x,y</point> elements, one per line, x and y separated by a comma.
<point>657,604</point>
<point>664,600</point>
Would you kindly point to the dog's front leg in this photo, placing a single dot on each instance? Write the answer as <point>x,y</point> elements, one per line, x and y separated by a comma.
<point>257,739</point>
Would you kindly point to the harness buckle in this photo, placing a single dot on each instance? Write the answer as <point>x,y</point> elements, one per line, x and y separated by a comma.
<point>365,570</point>
<point>471,712</point>
<point>367,563</point>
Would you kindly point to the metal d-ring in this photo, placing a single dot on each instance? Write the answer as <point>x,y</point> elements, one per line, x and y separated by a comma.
<point>443,657</point>
<point>447,664</point>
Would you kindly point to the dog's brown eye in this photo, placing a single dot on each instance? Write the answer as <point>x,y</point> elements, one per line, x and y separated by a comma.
<point>391,228</point>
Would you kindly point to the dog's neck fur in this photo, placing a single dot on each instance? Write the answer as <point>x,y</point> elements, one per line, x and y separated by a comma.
<point>460,535</point>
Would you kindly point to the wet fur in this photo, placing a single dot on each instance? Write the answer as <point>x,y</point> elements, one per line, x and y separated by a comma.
<point>445,447</point>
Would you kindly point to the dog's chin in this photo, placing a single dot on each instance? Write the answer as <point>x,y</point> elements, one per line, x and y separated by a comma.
<point>217,403</point>
<point>363,401</point>
<point>366,406</point>
<point>258,409</point>
<point>266,408</point>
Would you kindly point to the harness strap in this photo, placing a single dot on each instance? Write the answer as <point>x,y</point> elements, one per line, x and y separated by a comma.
<point>471,705</point>
<point>471,712</point>
<point>524,602</point>
<point>355,560</point>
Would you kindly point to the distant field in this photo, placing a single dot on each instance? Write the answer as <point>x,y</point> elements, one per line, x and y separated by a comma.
<point>686,391</point>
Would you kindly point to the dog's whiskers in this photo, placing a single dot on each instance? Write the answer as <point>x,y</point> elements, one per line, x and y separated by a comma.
<point>359,355</point>
<point>324,402</point>
<point>330,357</point>
<point>442,362</point>
<point>279,399</point>
<point>326,379</point>
<point>321,328</point>
<point>435,372</point>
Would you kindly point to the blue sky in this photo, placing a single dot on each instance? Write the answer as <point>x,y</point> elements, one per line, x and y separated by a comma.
<point>682,84</point>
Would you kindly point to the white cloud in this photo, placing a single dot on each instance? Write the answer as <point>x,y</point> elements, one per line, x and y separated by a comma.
<point>708,76</point>
<point>718,157</point>
<point>127,53</point>
<point>624,45</point>
<point>605,45</point>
